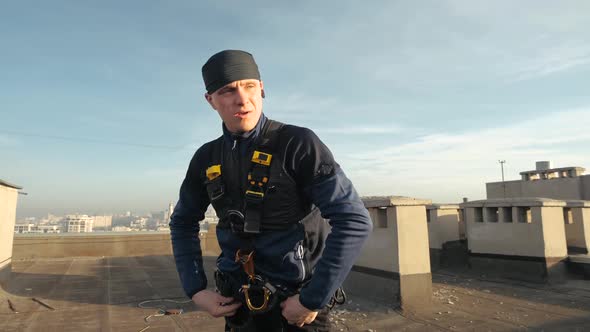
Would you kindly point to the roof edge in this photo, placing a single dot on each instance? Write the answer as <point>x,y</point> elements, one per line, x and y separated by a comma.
<point>8,184</point>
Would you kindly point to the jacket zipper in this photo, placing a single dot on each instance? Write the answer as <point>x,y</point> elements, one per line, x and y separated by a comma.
<point>300,257</point>
<point>237,160</point>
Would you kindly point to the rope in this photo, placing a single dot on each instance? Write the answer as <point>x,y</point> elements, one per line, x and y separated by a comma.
<point>162,310</point>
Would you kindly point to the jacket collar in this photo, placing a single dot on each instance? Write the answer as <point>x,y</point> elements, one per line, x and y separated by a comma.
<point>247,137</point>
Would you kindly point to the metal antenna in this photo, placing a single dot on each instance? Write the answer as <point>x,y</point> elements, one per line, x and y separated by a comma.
<point>503,184</point>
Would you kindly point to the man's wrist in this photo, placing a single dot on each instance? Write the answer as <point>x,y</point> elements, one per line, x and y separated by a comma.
<point>307,305</point>
<point>192,294</point>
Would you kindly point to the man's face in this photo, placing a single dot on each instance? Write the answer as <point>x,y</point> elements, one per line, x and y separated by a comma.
<point>239,104</point>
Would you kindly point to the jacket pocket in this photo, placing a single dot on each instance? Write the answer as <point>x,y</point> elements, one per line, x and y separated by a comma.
<point>281,255</point>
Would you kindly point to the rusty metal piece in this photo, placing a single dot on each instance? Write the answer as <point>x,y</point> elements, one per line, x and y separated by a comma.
<point>247,260</point>
<point>173,312</point>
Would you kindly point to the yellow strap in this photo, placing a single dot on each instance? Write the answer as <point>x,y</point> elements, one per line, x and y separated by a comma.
<point>213,172</point>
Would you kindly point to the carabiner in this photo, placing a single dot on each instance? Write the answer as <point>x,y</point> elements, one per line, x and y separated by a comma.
<point>264,305</point>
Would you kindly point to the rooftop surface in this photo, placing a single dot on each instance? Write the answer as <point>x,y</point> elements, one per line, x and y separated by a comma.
<point>109,294</point>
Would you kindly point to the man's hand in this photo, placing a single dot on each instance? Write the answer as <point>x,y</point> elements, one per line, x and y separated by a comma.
<point>296,313</point>
<point>215,304</point>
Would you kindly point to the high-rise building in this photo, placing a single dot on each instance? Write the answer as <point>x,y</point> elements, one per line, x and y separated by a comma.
<point>103,223</point>
<point>169,212</point>
<point>78,223</point>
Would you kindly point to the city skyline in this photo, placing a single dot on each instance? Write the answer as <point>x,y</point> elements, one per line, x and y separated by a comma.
<point>106,212</point>
<point>103,103</point>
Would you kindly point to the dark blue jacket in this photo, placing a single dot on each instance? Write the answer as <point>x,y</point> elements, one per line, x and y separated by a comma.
<point>332,192</point>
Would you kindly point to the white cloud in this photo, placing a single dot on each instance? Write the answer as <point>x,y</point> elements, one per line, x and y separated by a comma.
<point>552,60</point>
<point>455,43</point>
<point>445,165</point>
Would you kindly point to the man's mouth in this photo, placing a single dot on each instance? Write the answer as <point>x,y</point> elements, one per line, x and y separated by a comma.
<point>241,114</point>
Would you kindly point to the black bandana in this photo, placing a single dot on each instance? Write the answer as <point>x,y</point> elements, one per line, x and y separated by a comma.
<point>228,66</point>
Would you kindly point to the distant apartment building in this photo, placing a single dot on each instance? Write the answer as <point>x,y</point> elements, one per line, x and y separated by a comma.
<point>140,223</point>
<point>24,228</point>
<point>566,183</point>
<point>102,223</point>
<point>33,228</point>
<point>163,228</point>
<point>121,229</point>
<point>46,229</point>
<point>79,223</point>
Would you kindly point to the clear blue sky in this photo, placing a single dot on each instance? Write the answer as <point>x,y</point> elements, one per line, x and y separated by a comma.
<point>102,102</point>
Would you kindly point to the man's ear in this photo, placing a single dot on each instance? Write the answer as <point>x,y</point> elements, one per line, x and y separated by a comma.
<point>209,100</point>
<point>262,89</point>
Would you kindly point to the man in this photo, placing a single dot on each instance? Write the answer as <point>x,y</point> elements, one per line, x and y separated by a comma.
<point>281,261</point>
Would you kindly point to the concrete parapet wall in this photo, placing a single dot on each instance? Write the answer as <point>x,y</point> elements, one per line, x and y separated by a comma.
<point>102,244</point>
<point>577,226</point>
<point>397,251</point>
<point>91,244</point>
<point>385,201</point>
<point>586,187</point>
<point>532,227</point>
<point>399,242</point>
<point>445,224</point>
<point>8,199</point>
<point>519,237</point>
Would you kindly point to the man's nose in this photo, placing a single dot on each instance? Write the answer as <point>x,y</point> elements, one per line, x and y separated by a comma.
<point>242,96</point>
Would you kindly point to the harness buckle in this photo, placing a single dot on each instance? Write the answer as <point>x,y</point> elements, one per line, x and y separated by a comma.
<point>235,219</point>
<point>256,186</point>
<point>218,193</point>
<point>215,188</point>
<point>254,196</point>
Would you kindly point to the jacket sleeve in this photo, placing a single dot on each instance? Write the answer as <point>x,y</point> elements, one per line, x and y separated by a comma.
<point>184,229</point>
<point>327,187</point>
